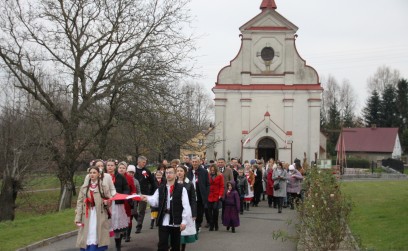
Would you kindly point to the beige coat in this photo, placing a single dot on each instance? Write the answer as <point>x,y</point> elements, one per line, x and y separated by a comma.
<point>103,223</point>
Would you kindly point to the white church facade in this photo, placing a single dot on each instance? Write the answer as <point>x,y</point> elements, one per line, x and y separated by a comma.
<point>267,100</point>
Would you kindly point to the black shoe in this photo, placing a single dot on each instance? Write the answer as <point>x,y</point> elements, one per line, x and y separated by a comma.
<point>118,244</point>
<point>228,228</point>
<point>233,229</point>
<point>241,212</point>
<point>216,228</point>
<point>207,225</point>
<point>211,229</point>
<point>138,231</point>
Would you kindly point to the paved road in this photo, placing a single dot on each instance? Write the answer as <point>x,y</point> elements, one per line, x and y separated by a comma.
<point>255,233</point>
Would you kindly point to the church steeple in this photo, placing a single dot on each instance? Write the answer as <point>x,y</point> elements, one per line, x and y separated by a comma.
<point>268,4</point>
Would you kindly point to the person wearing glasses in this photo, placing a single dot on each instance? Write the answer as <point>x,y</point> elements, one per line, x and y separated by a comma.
<point>174,210</point>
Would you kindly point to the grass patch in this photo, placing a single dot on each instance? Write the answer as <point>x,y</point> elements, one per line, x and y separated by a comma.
<point>380,214</point>
<point>24,231</point>
<point>50,180</point>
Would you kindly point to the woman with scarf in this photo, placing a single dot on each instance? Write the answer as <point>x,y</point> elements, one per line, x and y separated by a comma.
<point>120,220</point>
<point>92,213</point>
<point>188,235</point>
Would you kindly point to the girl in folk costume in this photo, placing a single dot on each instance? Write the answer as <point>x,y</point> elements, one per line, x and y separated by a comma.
<point>154,211</point>
<point>122,167</point>
<point>215,195</point>
<point>279,176</point>
<point>120,220</point>
<point>188,235</point>
<point>231,211</point>
<point>242,188</point>
<point>92,213</point>
<point>251,181</point>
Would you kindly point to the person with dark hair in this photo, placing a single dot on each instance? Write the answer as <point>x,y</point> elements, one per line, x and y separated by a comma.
<point>232,207</point>
<point>188,235</point>
<point>92,213</point>
<point>242,188</point>
<point>258,189</point>
<point>120,221</point>
<point>215,196</point>
<point>279,176</point>
<point>122,167</point>
<point>154,211</point>
<point>174,210</point>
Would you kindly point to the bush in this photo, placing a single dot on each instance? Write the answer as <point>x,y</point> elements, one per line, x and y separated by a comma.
<point>324,214</point>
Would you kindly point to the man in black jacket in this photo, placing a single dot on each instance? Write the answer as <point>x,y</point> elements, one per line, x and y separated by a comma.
<point>174,210</point>
<point>146,181</point>
<point>199,178</point>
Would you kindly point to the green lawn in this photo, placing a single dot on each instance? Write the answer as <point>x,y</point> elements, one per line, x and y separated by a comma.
<point>48,180</point>
<point>28,230</point>
<point>380,214</point>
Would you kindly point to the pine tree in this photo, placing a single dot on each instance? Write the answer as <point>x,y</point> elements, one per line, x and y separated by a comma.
<point>372,111</point>
<point>388,107</point>
<point>402,103</point>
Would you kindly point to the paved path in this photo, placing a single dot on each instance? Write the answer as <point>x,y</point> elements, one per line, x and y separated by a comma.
<point>255,233</point>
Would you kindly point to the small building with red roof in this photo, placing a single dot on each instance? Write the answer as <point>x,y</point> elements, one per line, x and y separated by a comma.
<point>375,143</point>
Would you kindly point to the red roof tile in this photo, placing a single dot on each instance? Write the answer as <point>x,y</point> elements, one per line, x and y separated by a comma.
<point>369,139</point>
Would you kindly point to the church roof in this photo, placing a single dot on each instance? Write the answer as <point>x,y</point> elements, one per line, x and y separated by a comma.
<point>379,140</point>
<point>268,4</point>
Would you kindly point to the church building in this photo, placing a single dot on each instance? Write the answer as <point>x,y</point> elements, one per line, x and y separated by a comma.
<point>267,100</point>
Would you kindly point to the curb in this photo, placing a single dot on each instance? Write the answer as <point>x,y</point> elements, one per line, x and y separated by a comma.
<point>48,241</point>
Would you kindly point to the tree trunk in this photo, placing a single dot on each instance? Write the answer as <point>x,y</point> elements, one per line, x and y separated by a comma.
<point>66,177</point>
<point>8,195</point>
<point>67,187</point>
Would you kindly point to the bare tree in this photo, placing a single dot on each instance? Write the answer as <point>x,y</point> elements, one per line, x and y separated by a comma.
<point>20,148</point>
<point>382,77</point>
<point>347,103</point>
<point>90,52</point>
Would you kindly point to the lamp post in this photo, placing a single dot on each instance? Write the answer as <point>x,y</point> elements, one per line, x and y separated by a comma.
<point>229,154</point>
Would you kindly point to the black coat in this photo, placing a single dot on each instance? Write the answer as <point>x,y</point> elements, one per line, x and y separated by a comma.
<point>121,186</point>
<point>203,186</point>
<point>146,181</point>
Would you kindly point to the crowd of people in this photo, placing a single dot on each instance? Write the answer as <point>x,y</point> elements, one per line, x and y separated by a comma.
<point>181,194</point>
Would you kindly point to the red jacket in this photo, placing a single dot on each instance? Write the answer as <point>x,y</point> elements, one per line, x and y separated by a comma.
<point>132,188</point>
<point>216,188</point>
<point>269,184</point>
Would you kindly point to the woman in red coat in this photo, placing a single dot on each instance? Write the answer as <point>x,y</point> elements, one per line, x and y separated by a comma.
<point>269,185</point>
<point>215,195</point>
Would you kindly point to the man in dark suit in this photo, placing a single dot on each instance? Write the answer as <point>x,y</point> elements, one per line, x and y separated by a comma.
<point>199,177</point>
<point>226,171</point>
<point>146,181</point>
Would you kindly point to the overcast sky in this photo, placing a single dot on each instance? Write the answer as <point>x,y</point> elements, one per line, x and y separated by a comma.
<point>348,39</point>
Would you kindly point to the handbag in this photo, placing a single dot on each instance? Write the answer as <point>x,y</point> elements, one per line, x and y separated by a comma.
<point>276,186</point>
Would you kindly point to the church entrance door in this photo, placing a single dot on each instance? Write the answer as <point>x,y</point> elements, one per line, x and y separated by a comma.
<point>266,149</point>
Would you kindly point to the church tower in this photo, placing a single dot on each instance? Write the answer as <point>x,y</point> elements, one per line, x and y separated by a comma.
<point>267,100</point>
